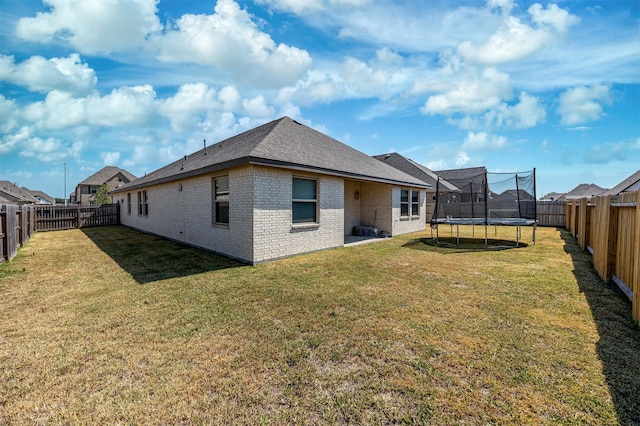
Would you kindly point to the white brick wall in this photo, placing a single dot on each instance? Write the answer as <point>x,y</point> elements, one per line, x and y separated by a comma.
<point>404,225</point>
<point>275,235</point>
<point>182,211</point>
<point>260,222</point>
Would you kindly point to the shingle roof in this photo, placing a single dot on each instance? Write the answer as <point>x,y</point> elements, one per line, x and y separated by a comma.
<point>13,193</point>
<point>463,174</point>
<point>40,194</point>
<point>630,183</point>
<point>281,143</point>
<point>103,175</point>
<point>417,170</point>
<point>584,190</point>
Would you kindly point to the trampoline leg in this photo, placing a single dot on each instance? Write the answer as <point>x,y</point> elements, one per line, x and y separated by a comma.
<point>534,233</point>
<point>457,234</point>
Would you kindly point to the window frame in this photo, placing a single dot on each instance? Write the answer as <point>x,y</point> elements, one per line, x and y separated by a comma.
<point>128,203</point>
<point>414,203</point>
<point>404,205</point>
<point>305,201</point>
<point>219,199</point>
<point>145,203</point>
<point>139,203</point>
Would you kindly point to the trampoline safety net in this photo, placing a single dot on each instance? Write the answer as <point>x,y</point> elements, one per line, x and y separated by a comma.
<point>487,198</point>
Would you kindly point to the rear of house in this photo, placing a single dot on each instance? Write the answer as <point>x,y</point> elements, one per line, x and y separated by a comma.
<point>279,190</point>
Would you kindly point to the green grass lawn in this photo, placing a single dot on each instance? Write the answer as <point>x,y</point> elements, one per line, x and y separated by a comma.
<point>109,325</point>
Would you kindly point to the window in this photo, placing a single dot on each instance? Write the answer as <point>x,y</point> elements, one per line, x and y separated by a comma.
<point>304,206</point>
<point>139,203</point>
<point>409,202</point>
<point>129,203</point>
<point>404,202</point>
<point>145,202</point>
<point>415,203</point>
<point>93,189</point>
<point>221,200</point>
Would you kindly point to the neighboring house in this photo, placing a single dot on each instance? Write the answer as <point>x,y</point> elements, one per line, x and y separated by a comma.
<point>42,197</point>
<point>630,184</point>
<point>278,190</point>
<point>11,193</point>
<point>421,172</point>
<point>553,196</point>
<point>86,190</point>
<point>584,190</point>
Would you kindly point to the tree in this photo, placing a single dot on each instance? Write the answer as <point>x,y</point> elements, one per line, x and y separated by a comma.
<point>102,195</point>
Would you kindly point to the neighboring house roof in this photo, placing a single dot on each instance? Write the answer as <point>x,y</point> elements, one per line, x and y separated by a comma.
<point>583,190</point>
<point>461,177</point>
<point>43,197</point>
<point>281,143</point>
<point>630,184</point>
<point>463,174</point>
<point>414,169</point>
<point>13,193</point>
<point>552,196</point>
<point>105,174</point>
<point>512,195</point>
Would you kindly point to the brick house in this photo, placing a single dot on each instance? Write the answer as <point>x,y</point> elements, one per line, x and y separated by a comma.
<point>278,190</point>
<point>113,176</point>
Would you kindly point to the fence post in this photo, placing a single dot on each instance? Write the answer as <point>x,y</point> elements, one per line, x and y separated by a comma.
<point>582,224</point>
<point>635,284</point>
<point>611,223</point>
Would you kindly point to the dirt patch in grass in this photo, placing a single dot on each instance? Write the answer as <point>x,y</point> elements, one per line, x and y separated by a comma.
<point>380,333</point>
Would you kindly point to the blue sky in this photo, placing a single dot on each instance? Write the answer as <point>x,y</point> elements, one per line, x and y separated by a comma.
<point>510,85</point>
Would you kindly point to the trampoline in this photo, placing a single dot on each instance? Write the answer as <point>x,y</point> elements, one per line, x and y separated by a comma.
<point>487,199</point>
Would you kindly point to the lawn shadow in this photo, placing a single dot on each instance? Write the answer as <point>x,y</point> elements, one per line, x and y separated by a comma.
<point>150,258</point>
<point>619,344</point>
<point>450,245</point>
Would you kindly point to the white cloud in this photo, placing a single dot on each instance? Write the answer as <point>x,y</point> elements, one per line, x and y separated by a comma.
<point>125,106</point>
<point>461,158</point>
<point>528,112</point>
<point>110,158</point>
<point>583,104</point>
<point>559,19</point>
<point>514,40</point>
<point>483,140</point>
<point>8,110</point>
<point>471,94</point>
<point>301,7</point>
<point>231,42</point>
<point>93,26</point>
<point>258,107</point>
<point>42,75</point>
<point>364,80</point>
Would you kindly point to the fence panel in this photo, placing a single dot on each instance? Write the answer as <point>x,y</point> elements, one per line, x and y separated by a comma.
<point>56,218</point>
<point>2,232</point>
<point>11,229</point>
<point>551,213</point>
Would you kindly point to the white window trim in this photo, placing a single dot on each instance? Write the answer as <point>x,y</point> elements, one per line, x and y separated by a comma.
<point>214,218</point>
<point>301,225</point>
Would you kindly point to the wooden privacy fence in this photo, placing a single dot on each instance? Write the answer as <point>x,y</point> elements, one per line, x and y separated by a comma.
<point>17,224</point>
<point>551,213</point>
<point>609,228</point>
<point>56,218</point>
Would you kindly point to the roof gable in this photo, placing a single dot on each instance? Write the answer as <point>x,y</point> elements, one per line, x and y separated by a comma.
<point>105,174</point>
<point>414,169</point>
<point>280,143</point>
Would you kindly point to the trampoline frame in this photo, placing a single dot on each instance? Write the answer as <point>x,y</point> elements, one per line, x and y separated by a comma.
<point>517,223</point>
